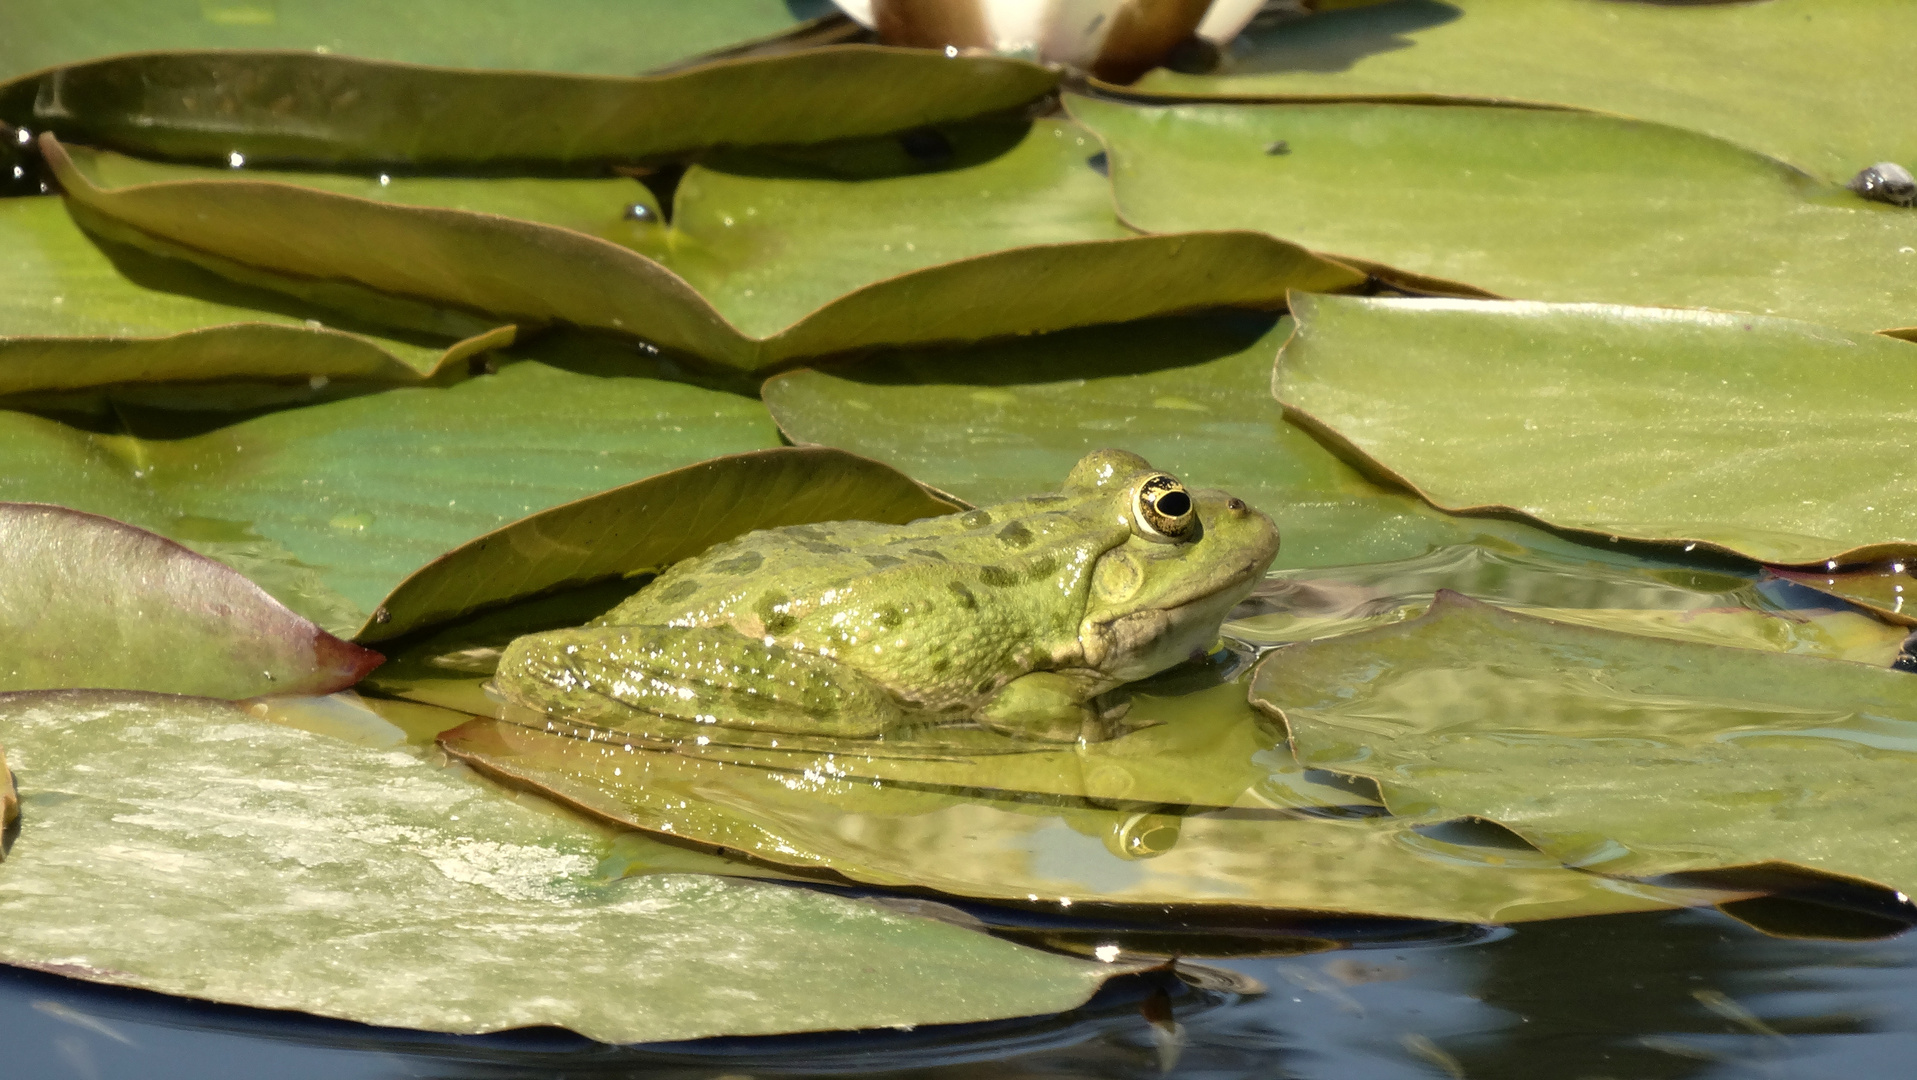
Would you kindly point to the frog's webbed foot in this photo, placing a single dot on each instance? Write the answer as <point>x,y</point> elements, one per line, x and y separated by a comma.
<point>1048,707</point>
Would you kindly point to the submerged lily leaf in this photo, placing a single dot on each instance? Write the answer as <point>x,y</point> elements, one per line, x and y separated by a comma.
<point>178,845</point>
<point>1629,594</point>
<point>1777,440</point>
<point>648,525</point>
<point>1614,752</point>
<point>1005,419</point>
<point>89,602</point>
<point>316,109</point>
<point>1809,81</point>
<point>75,313</point>
<point>978,838</point>
<point>330,505</point>
<point>1889,589</point>
<point>1539,204</point>
<point>612,37</point>
<point>305,240</point>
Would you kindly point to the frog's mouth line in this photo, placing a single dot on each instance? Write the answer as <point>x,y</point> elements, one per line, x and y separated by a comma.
<point>1155,637</point>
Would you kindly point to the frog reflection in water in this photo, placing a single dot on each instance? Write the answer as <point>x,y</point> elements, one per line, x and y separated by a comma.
<point>1016,616</point>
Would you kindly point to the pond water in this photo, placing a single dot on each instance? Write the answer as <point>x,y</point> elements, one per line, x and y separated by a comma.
<point>1665,995</point>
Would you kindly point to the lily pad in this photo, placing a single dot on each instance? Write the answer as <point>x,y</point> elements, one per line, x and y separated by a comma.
<point>1531,203</point>
<point>611,37</point>
<point>1777,440</point>
<point>75,312</point>
<point>323,504</point>
<point>647,525</point>
<point>89,602</point>
<point>317,109</point>
<point>1005,419</point>
<point>1809,81</point>
<point>1614,752</point>
<point>249,863</point>
<point>983,840</point>
<point>307,240</point>
<point>1628,594</point>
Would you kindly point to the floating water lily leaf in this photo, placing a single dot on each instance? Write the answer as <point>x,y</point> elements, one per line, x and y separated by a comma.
<point>1614,752</point>
<point>1777,440</point>
<point>1632,595</point>
<point>612,37</point>
<point>1539,204</point>
<point>648,525</point>
<point>1805,80</point>
<point>317,109</point>
<point>245,862</point>
<point>311,239</point>
<point>89,602</point>
<point>1005,419</point>
<point>74,313</point>
<point>963,841</point>
<point>330,505</point>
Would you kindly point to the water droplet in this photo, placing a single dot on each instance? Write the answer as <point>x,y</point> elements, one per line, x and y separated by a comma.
<point>384,180</point>
<point>951,51</point>
<point>236,159</point>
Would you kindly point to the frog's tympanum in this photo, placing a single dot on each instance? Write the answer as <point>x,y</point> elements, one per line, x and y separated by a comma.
<point>1016,616</point>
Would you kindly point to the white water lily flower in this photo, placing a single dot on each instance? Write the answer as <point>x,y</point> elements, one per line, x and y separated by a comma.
<point>1114,39</point>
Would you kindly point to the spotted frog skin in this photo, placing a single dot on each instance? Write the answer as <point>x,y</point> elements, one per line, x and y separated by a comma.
<point>1015,616</point>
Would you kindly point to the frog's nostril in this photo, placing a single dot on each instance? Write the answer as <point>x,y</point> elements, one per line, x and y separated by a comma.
<point>1236,506</point>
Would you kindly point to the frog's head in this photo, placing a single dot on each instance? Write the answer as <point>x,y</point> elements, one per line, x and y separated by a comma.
<point>1186,559</point>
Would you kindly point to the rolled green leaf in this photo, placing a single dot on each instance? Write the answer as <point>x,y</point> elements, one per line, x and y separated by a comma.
<point>329,505</point>
<point>89,602</point>
<point>314,109</point>
<point>312,242</point>
<point>648,525</point>
<point>78,311</point>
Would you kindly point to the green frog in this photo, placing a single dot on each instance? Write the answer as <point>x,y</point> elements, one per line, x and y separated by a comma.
<point>1018,617</point>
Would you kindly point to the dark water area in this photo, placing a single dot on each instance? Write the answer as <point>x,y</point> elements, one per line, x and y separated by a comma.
<point>1685,994</point>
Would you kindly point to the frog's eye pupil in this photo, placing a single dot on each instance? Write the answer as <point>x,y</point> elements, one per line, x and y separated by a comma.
<point>1163,511</point>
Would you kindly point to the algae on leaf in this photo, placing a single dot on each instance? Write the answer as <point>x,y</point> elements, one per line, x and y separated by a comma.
<point>1777,440</point>
<point>181,846</point>
<point>1616,753</point>
<point>89,602</point>
<point>1530,203</point>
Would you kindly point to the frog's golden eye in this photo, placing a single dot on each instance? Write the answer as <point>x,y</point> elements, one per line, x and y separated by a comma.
<point>1163,511</point>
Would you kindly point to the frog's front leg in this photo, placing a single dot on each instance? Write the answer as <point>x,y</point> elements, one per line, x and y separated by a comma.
<point>1047,706</point>
<point>701,674</point>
